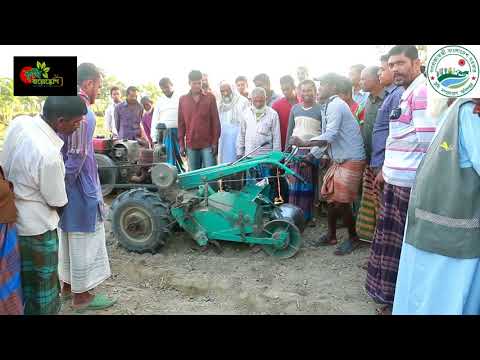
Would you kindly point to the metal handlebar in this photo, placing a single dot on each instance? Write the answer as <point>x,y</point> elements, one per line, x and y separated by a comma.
<point>292,154</point>
<point>250,153</point>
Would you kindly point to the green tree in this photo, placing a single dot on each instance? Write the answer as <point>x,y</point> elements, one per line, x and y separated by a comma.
<point>8,102</point>
<point>11,106</point>
<point>150,89</point>
<point>102,101</point>
<point>108,82</point>
<point>30,104</point>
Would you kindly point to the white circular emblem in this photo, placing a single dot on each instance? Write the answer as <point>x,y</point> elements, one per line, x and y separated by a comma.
<point>453,71</point>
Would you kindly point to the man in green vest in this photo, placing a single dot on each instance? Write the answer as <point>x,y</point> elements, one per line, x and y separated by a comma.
<point>439,270</point>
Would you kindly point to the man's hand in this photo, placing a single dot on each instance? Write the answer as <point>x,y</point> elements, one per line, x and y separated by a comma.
<point>307,160</point>
<point>59,210</point>
<point>310,157</point>
<point>214,150</point>
<point>379,180</point>
<point>295,140</point>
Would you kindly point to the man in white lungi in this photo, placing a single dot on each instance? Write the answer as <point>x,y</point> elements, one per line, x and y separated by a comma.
<point>83,258</point>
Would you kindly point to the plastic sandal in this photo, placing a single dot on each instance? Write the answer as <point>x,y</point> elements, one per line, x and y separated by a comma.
<point>99,302</point>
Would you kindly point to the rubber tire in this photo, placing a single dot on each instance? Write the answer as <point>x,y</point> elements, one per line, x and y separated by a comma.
<point>291,250</point>
<point>153,205</point>
<point>104,160</point>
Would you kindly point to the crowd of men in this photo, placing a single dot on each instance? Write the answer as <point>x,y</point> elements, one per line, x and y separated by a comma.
<point>373,152</point>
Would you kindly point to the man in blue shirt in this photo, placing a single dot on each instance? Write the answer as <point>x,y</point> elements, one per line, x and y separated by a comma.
<point>342,139</point>
<point>391,101</point>
<point>82,252</point>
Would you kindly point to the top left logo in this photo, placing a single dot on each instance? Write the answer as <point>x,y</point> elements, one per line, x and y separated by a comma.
<point>45,75</point>
<point>39,76</point>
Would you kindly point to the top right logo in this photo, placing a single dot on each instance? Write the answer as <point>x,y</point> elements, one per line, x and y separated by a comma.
<point>453,71</point>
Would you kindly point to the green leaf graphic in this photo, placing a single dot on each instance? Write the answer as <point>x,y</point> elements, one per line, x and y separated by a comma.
<point>46,69</point>
<point>45,75</point>
<point>39,66</point>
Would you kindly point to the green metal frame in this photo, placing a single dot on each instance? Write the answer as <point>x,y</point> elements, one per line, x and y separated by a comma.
<point>236,216</point>
<point>193,179</point>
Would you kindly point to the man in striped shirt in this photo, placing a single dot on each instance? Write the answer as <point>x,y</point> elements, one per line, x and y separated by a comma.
<point>410,134</point>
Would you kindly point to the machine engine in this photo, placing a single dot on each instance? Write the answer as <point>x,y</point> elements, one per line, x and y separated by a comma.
<point>126,163</point>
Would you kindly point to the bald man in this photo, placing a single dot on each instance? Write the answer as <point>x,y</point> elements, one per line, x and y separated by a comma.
<point>359,96</point>
<point>369,204</point>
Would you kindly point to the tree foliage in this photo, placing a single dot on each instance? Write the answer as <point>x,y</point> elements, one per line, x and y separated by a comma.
<point>110,81</point>
<point>11,106</point>
<point>150,89</point>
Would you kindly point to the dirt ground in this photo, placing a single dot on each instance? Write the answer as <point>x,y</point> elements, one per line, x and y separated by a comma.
<point>182,280</point>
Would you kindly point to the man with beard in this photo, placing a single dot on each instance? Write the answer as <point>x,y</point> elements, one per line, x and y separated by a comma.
<point>230,109</point>
<point>410,134</point>
<point>259,125</point>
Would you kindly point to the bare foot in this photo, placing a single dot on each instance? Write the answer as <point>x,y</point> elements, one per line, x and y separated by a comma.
<point>66,290</point>
<point>82,298</point>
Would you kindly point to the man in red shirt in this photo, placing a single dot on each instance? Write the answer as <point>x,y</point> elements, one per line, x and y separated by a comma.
<point>345,93</point>
<point>198,125</point>
<point>284,105</point>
